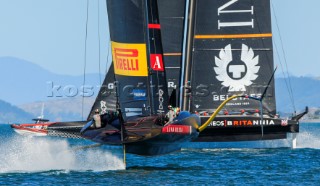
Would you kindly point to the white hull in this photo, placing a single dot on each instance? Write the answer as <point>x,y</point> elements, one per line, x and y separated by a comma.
<point>26,132</point>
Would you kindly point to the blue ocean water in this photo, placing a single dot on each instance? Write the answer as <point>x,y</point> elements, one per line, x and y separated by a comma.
<point>56,161</point>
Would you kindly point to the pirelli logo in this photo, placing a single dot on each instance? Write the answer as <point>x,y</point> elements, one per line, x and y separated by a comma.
<point>129,59</point>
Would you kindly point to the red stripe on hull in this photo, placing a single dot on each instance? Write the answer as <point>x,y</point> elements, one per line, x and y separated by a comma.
<point>35,130</point>
<point>176,129</point>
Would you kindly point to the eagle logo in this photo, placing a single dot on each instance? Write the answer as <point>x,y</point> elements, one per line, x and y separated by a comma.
<point>224,70</point>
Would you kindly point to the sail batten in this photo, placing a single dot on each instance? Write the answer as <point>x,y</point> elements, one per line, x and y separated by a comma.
<point>233,36</point>
<point>172,54</point>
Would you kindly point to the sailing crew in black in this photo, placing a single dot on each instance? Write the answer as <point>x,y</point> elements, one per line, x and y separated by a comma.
<point>97,119</point>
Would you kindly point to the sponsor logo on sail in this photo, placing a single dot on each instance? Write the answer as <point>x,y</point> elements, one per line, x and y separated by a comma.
<point>226,9</point>
<point>110,86</point>
<point>161,92</point>
<point>237,76</point>
<point>171,84</point>
<point>139,94</point>
<point>156,62</point>
<point>103,107</point>
<point>133,111</point>
<point>129,59</point>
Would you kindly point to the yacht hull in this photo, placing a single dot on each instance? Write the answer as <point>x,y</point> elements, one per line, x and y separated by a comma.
<point>246,128</point>
<point>142,136</point>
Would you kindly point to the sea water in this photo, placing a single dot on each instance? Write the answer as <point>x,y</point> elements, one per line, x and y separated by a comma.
<point>57,161</point>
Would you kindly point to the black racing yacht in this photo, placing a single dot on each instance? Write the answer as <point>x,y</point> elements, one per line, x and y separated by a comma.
<point>212,59</point>
<point>224,48</point>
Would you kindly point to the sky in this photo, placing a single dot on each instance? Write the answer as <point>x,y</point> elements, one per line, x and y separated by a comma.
<point>51,33</point>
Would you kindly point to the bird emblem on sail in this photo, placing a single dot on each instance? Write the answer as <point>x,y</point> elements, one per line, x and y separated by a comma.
<point>224,70</point>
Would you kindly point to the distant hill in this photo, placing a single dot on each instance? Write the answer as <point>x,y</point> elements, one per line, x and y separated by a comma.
<point>66,109</point>
<point>314,114</point>
<point>23,82</point>
<point>305,91</point>
<point>13,114</point>
<point>28,86</point>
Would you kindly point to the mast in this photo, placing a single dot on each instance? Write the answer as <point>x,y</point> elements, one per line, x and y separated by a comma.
<point>187,55</point>
<point>151,99</point>
<point>183,62</point>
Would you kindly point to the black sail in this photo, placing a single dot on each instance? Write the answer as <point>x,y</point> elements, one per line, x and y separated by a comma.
<point>172,17</point>
<point>106,99</point>
<point>157,70</point>
<point>231,54</point>
<point>137,56</point>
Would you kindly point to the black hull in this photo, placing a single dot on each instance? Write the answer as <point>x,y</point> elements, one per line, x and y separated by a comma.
<point>246,128</point>
<point>168,141</point>
<point>66,129</point>
<point>217,133</point>
<point>143,137</point>
<point>161,144</point>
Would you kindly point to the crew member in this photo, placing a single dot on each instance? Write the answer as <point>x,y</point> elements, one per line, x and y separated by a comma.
<point>97,119</point>
<point>177,111</point>
<point>242,112</point>
<point>256,113</point>
<point>171,114</point>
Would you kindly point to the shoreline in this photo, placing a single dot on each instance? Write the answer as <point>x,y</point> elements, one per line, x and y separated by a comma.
<point>310,121</point>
